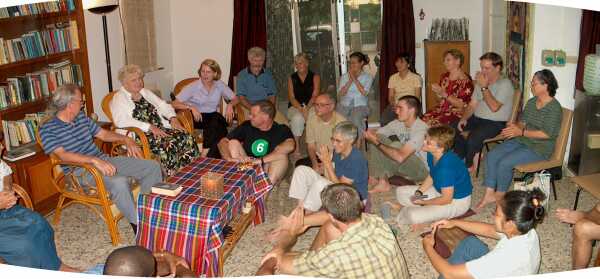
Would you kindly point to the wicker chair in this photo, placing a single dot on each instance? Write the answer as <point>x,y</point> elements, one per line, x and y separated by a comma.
<point>554,164</point>
<point>75,188</point>
<point>23,195</point>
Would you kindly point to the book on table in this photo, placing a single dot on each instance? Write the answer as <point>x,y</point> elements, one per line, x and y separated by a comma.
<point>167,189</point>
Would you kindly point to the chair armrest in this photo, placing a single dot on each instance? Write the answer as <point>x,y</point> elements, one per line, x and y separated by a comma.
<point>494,139</point>
<point>140,135</point>
<point>24,195</point>
<point>187,119</point>
<point>96,175</point>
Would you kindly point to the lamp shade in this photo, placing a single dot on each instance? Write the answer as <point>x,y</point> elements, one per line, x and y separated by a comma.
<point>10,3</point>
<point>100,6</point>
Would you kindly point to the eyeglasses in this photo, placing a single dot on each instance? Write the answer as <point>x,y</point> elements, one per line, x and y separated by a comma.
<point>81,101</point>
<point>336,140</point>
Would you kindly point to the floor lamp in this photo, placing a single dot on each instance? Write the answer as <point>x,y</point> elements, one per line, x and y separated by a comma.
<point>103,7</point>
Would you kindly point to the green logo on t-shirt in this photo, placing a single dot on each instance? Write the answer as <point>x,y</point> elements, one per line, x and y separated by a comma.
<point>260,147</point>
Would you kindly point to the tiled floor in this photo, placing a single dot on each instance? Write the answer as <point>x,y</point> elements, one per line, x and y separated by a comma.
<point>83,241</point>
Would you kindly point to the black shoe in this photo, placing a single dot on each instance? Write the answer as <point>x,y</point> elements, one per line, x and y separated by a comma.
<point>134,227</point>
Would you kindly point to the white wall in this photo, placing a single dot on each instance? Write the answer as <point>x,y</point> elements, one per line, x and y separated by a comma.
<point>471,9</point>
<point>556,28</point>
<point>187,31</point>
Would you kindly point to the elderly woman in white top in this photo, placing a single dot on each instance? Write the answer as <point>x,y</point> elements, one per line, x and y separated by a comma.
<point>135,106</point>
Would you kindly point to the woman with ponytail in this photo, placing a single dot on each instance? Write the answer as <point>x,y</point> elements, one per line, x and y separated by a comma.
<point>517,252</point>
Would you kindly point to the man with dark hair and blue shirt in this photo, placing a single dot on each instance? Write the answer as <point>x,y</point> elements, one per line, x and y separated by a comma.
<point>69,135</point>
<point>255,83</point>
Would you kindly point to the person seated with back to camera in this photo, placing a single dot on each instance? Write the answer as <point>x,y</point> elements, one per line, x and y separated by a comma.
<point>346,164</point>
<point>517,252</point>
<point>137,261</point>
<point>319,129</point>
<point>396,147</point>
<point>261,140</point>
<point>445,193</point>
<point>350,243</point>
<point>26,238</point>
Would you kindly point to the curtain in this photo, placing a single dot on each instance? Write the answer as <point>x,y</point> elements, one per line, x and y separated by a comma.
<point>589,37</point>
<point>398,35</point>
<point>249,30</point>
<point>139,33</point>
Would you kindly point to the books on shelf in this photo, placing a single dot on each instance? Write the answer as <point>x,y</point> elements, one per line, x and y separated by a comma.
<point>40,84</point>
<point>167,189</point>
<point>56,38</point>
<point>21,132</point>
<point>20,152</point>
<point>38,8</point>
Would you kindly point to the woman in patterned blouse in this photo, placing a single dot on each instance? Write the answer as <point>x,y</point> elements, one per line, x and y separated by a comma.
<point>454,90</point>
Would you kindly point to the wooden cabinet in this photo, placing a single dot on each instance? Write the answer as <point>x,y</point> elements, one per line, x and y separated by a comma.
<point>434,64</point>
<point>33,173</point>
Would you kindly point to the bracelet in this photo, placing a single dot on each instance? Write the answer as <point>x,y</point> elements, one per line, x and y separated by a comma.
<point>484,89</point>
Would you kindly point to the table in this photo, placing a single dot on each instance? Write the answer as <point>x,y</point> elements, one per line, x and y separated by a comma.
<point>591,183</point>
<point>189,225</point>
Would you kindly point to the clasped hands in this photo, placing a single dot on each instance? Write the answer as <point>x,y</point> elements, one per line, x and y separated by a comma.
<point>512,130</point>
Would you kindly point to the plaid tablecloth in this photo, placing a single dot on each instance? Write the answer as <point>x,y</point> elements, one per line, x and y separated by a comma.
<point>189,225</point>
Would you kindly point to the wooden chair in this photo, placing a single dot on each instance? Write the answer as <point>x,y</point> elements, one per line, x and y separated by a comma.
<point>23,195</point>
<point>499,138</point>
<point>77,189</point>
<point>554,164</point>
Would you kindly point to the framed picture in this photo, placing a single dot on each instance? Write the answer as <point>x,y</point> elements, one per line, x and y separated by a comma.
<point>517,21</point>
<point>517,32</point>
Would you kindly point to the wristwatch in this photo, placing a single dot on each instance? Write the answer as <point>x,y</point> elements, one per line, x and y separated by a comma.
<point>484,89</point>
<point>418,193</point>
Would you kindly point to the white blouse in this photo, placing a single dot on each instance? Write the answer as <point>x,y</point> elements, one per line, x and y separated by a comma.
<point>122,107</point>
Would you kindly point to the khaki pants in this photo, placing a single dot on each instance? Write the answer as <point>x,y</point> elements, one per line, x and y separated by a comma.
<point>381,165</point>
<point>416,214</point>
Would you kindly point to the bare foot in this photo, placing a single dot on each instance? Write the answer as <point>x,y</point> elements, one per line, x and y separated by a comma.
<point>394,205</point>
<point>418,227</point>
<point>569,216</point>
<point>485,201</point>
<point>380,188</point>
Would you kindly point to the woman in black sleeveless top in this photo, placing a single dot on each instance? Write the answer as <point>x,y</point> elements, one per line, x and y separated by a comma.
<point>303,88</point>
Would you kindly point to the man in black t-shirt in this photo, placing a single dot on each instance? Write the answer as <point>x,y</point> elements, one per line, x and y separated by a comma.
<point>262,140</point>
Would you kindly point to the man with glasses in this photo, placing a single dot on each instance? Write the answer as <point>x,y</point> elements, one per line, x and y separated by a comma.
<point>395,149</point>
<point>70,134</point>
<point>319,128</point>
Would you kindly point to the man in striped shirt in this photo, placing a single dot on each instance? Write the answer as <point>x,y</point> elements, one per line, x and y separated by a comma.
<point>70,136</point>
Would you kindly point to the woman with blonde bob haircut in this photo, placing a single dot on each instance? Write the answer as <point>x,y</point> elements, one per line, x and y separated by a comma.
<point>135,106</point>
<point>203,97</point>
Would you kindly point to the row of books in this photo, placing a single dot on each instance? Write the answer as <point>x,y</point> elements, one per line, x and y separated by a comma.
<point>39,84</point>
<point>21,132</point>
<point>38,8</point>
<point>56,38</point>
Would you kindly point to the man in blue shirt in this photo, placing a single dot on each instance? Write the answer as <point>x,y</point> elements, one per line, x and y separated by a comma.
<point>255,83</point>
<point>70,136</point>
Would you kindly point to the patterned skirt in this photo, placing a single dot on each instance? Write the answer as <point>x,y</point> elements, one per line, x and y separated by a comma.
<point>174,151</point>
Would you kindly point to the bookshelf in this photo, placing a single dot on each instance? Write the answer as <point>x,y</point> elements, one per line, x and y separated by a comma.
<point>30,27</point>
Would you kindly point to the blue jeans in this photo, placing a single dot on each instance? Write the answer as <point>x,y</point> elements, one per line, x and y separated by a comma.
<point>501,160</point>
<point>468,249</point>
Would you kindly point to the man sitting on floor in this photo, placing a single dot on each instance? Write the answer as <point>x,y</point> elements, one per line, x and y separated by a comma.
<point>396,147</point>
<point>350,243</point>
<point>488,111</point>
<point>69,135</point>
<point>585,231</point>
<point>137,261</point>
<point>319,129</point>
<point>261,138</point>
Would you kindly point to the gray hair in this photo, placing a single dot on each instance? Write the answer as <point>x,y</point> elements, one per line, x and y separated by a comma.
<point>347,130</point>
<point>256,52</point>
<point>342,201</point>
<point>128,70</point>
<point>62,96</point>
